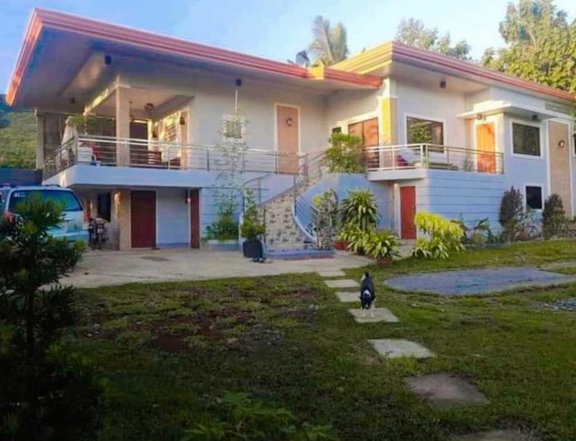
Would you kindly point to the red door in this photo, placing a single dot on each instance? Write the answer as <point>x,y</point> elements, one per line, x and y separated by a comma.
<point>143,219</point>
<point>407,212</point>
<point>194,219</point>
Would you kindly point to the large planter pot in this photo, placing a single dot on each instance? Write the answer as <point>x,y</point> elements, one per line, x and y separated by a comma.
<point>222,245</point>
<point>384,261</point>
<point>252,249</point>
<point>340,245</point>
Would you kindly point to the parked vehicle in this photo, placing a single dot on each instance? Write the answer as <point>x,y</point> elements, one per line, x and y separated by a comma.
<point>72,226</point>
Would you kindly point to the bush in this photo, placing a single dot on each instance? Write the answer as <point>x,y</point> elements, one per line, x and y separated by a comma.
<point>46,394</point>
<point>345,154</point>
<point>444,237</point>
<point>381,244</point>
<point>249,419</point>
<point>554,220</point>
<point>251,228</point>
<point>512,214</point>
<point>225,227</point>
<point>359,209</point>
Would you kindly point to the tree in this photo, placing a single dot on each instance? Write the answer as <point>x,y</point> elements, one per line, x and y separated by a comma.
<point>17,137</point>
<point>45,393</point>
<point>554,220</point>
<point>540,45</point>
<point>414,33</point>
<point>329,44</point>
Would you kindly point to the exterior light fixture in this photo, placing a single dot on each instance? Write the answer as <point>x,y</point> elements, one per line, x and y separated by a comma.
<point>561,143</point>
<point>479,116</point>
<point>534,117</point>
<point>442,84</point>
<point>182,120</point>
<point>289,121</point>
<point>149,107</point>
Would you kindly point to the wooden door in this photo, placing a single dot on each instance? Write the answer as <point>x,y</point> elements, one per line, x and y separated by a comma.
<point>143,219</point>
<point>407,212</point>
<point>194,218</point>
<point>288,134</point>
<point>485,141</point>
<point>367,131</point>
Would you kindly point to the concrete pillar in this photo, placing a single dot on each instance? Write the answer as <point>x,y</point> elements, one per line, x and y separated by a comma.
<point>39,141</point>
<point>121,218</point>
<point>122,125</point>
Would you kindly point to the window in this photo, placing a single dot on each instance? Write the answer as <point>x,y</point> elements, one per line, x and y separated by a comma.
<point>66,198</point>
<point>233,127</point>
<point>534,197</point>
<point>367,131</point>
<point>525,139</point>
<point>424,131</point>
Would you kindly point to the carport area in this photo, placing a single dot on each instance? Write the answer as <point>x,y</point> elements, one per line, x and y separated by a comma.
<point>104,268</point>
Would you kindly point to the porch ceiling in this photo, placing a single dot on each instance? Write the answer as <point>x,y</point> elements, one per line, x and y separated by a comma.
<point>59,67</point>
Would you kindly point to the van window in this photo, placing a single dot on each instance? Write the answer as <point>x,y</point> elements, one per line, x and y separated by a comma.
<point>66,198</point>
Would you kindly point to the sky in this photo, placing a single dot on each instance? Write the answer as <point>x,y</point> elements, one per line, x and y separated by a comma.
<point>275,29</point>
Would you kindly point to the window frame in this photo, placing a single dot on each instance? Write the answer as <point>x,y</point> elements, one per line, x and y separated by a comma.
<point>540,128</point>
<point>542,198</point>
<point>431,119</point>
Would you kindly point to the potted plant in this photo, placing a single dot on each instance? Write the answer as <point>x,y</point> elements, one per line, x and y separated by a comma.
<point>251,229</point>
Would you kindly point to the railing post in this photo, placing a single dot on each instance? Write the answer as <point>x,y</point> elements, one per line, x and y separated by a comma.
<point>207,159</point>
<point>447,155</point>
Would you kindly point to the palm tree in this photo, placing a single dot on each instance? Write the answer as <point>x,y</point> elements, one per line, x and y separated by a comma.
<point>328,46</point>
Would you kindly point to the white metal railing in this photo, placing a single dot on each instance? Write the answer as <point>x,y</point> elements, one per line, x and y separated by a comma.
<point>129,152</point>
<point>433,156</point>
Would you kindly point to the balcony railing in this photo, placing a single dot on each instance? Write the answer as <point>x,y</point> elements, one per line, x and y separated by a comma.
<point>432,156</point>
<point>108,151</point>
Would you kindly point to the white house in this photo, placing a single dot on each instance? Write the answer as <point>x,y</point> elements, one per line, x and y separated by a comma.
<point>441,135</point>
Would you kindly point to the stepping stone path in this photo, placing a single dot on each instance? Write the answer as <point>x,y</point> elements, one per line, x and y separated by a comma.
<point>446,390</point>
<point>342,283</point>
<point>331,273</point>
<point>380,315</point>
<point>442,390</point>
<point>395,348</point>
<point>348,297</point>
<point>495,435</point>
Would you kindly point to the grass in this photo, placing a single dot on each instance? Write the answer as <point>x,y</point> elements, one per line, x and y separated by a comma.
<point>171,350</point>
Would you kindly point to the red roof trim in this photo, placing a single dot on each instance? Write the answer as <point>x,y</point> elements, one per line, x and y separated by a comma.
<point>41,19</point>
<point>402,52</point>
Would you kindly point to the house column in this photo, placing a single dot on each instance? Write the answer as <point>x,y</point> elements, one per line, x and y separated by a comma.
<point>39,141</point>
<point>122,218</point>
<point>389,113</point>
<point>122,125</point>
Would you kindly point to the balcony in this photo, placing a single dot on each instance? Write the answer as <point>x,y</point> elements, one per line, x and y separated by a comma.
<point>413,160</point>
<point>107,151</point>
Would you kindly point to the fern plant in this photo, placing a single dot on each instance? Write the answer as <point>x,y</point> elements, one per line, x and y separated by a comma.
<point>444,236</point>
<point>360,209</point>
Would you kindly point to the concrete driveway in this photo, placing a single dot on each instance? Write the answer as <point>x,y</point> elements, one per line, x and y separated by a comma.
<point>104,268</point>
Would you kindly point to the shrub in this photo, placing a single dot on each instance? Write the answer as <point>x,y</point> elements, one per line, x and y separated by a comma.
<point>512,214</point>
<point>444,236</point>
<point>46,393</point>
<point>354,238</point>
<point>345,154</point>
<point>225,227</point>
<point>251,228</point>
<point>554,220</point>
<point>381,244</point>
<point>359,208</point>
<point>250,419</point>
<point>325,219</point>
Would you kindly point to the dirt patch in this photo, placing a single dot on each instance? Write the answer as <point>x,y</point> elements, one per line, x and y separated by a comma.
<point>169,342</point>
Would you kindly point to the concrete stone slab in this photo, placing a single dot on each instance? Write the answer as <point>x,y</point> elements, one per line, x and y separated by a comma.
<point>342,283</point>
<point>483,281</point>
<point>446,390</point>
<point>348,296</point>
<point>397,348</point>
<point>495,435</point>
<point>380,315</point>
<point>331,273</point>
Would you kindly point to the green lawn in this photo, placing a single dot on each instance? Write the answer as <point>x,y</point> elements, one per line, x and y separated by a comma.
<point>171,350</point>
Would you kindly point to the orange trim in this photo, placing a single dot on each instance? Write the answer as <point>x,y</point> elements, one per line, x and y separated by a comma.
<point>41,19</point>
<point>397,52</point>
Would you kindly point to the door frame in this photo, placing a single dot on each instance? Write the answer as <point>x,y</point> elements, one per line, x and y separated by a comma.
<point>293,106</point>
<point>398,208</point>
<point>156,217</point>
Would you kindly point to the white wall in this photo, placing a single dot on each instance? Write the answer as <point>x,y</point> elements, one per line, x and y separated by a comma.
<point>345,107</point>
<point>172,217</point>
<point>437,105</point>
